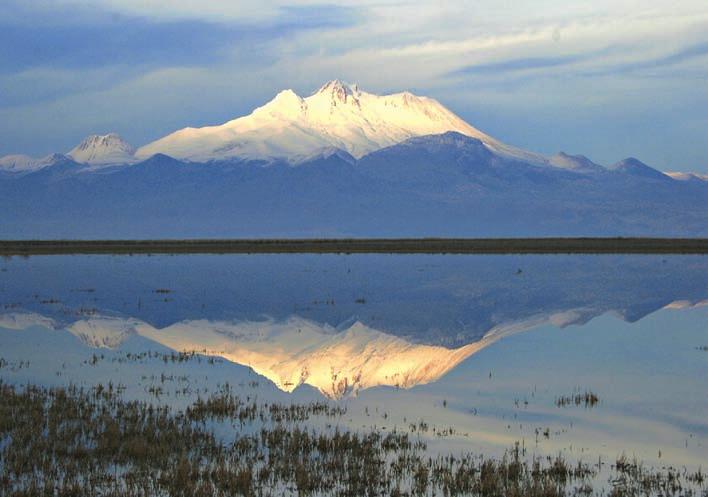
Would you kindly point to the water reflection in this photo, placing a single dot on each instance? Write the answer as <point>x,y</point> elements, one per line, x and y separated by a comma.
<point>477,349</point>
<point>338,323</point>
<point>289,353</point>
<point>433,299</point>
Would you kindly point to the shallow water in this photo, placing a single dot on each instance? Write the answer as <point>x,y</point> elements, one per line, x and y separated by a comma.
<point>478,348</point>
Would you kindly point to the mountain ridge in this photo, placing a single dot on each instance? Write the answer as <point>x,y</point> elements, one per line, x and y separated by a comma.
<point>88,154</point>
<point>445,186</point>
<point>294,129</point>
<point>341,163</point>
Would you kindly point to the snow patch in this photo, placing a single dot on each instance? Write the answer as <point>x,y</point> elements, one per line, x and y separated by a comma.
<point>687,176</point>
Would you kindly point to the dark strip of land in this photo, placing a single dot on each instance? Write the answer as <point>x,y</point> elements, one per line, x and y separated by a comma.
<point>362,245</point>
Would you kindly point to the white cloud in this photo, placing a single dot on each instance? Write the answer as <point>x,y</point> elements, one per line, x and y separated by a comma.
<point>394,45</point>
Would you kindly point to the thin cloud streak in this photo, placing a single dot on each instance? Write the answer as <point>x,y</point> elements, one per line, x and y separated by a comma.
<point>699,50</point>
<point>519,65</point>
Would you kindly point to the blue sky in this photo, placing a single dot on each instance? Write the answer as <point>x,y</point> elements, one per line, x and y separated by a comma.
<point>609,80</point>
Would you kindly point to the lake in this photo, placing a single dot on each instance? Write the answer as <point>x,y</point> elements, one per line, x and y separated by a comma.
<point>592,358</point>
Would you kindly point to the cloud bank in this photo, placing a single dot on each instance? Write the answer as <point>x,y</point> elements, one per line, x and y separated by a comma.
<point>609,80</point>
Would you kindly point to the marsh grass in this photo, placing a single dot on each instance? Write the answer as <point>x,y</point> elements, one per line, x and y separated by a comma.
<point>634,479</point>
<point>13,366</point>
<point>587,399</point>
<point>73,442</point>
<point>173,357</point>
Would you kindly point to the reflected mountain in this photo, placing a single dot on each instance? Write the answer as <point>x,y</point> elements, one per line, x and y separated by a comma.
<point>337,323</point>
<point>299,351</point>
<point>289,353</point>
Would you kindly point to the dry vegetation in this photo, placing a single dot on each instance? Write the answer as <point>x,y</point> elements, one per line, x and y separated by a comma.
<point>74,442</point>
<point>586,399</point>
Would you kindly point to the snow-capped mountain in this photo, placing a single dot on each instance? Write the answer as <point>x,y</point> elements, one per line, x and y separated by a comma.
<point>337,115</point>
<point>17,162</point>
<point>94,150</point>
<point>446,185</point>
<point>368,165</point>
<point>338,120</point>
<point>103,150</point>
<point>24,163</point>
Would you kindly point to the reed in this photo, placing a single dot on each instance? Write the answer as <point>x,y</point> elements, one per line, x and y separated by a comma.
<point>71,441</point>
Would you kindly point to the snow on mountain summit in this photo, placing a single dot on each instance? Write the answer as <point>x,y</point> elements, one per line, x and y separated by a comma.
<point>337,115</point>
<point>103,150</point>
<point>94,150</point>
<point>19,163</point>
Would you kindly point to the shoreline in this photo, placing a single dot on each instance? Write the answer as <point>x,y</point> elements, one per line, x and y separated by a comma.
<point>360,245</point>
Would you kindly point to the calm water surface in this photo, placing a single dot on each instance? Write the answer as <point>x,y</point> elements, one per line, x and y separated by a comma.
<point>476,350</point>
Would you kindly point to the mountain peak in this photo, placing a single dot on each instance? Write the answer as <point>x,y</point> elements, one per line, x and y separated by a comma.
<point>339,92</point>
<point>576,163</point>
<point>103,150</point>
<point>54,158</point>
<point>635,167</point>
<point>338,115</point>
<point>286,105</point>
<point>286,95</point>
<point>337,85</point>
<point>630,162</point>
